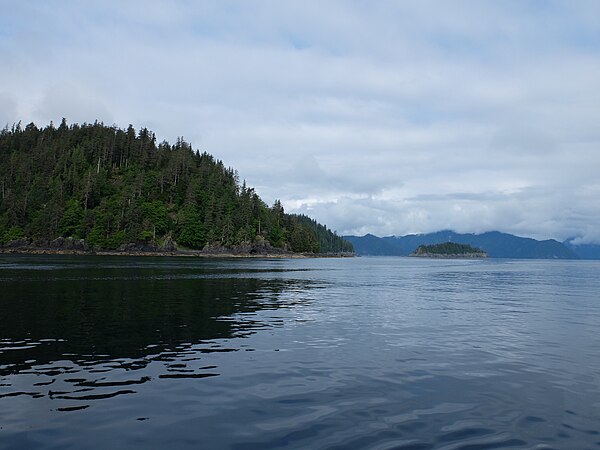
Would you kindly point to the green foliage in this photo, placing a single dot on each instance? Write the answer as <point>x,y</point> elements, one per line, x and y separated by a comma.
<point>145,236</point>
<point>448,248</point>
<point>115,240</point>
<point>96,238</point>
<point>71,223</point>
<point>326,240</point>
<point>156,214</point>
<point>192,232</point>
<point>111,186</point>
<point>12,234</point>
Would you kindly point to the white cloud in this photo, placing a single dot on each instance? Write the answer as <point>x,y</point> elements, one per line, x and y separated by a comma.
<point>8,109</point>
<point>387,118</point>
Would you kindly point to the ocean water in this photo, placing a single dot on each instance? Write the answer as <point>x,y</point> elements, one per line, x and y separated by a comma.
<point>357,353</point>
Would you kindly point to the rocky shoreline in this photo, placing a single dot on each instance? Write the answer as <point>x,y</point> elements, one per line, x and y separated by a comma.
<point>71,246</point>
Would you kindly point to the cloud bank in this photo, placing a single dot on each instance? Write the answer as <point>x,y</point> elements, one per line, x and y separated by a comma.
<point>388,118</point>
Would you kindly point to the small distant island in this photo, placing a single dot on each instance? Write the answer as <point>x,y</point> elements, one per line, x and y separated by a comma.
<point>449,250</point>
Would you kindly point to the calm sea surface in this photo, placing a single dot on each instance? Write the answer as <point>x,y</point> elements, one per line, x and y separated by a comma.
<point>374,353</point>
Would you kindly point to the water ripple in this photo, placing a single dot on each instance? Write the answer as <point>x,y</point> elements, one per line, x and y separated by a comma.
<point>357,353</point>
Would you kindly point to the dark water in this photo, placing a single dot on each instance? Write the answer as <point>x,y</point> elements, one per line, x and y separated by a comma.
<point>327,353</point>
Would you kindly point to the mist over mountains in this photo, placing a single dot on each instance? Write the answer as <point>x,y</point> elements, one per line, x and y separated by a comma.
<point>584,251</point>
<point>495,243</point>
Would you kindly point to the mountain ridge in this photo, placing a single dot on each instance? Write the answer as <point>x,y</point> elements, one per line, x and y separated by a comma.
<point>496,244</point>
<point>584,251</point>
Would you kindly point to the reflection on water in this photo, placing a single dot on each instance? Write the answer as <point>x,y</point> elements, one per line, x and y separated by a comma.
<point>257,354</point>
<point>84,330</point>
<point>104,318</point>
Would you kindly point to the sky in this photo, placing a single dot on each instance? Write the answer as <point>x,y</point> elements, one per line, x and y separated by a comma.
<point>386,117</point>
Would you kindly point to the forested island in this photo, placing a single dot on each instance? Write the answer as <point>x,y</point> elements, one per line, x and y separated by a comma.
<point>495,243</point>
<point>93,187</point>
<point>449,250</point>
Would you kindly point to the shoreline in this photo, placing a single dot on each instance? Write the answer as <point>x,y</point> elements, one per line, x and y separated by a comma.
<point>182,253</point>
<point>449,255</point>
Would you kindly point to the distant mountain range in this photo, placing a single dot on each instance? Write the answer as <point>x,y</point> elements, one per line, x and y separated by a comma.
<point>584,251</point>
<point>495,243</point>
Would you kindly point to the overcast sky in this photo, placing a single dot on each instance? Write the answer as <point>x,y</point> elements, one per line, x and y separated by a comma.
<point>388,117</point>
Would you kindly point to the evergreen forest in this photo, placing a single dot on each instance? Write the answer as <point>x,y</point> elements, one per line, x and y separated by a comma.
<point>113,187</point>
<point>448,248</point>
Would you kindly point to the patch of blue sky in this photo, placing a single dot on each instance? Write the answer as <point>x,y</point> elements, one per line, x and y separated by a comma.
<point>464,45</point>
<point>298,42</point>
<point>8,26</point>
<point>587,41</point>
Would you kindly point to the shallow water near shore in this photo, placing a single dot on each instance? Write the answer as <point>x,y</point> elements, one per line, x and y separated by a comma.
<point>126,352</point>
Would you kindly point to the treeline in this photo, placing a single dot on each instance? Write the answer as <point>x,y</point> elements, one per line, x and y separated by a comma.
<point>111,187</point>
<point>448,248</point>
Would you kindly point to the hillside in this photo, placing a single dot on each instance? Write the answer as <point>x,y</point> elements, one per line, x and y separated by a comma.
<point>118,188</point>
<point>494,243</point>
